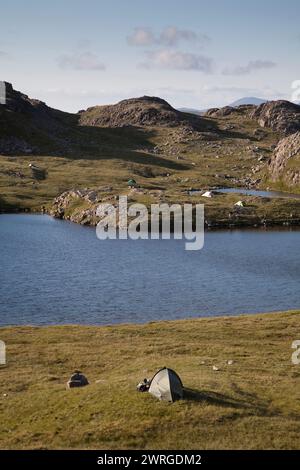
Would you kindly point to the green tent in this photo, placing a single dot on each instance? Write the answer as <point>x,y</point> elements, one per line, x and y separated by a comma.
<point>131,182</point>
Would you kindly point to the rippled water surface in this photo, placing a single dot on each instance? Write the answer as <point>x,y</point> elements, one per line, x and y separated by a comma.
<point>57,272</point>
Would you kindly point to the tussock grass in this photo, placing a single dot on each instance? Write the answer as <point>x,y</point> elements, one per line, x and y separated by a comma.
<point>251,404</point>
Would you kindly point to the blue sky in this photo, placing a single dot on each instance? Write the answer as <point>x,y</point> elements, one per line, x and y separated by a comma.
<point>195,53</point>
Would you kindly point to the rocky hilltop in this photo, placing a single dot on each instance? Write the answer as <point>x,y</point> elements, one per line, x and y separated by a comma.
<point>29,125</point>
<point>285,162</point>
<point>19,102</point>
<point>144,111</point>
<point>281,116</point>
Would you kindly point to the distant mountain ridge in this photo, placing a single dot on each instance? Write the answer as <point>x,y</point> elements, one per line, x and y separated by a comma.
<point>247,100</point>
<point>199,112</point>
<point>240,102</point>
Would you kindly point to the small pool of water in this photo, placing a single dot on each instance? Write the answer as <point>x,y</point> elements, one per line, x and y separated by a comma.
<point>252,192</point>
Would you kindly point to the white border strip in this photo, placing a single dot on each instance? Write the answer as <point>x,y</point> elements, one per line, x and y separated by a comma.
<point>2,93</point>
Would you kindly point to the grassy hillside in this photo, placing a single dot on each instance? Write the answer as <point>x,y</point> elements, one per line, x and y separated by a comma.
<point>162,162</point>
<point>253,403</point>
<point>230,150</point>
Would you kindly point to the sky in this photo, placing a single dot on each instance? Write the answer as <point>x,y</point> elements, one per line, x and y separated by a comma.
<point>74,54</point>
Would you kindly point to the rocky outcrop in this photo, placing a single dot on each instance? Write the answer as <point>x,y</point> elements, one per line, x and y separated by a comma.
<point>221,112</point>
<point>80,205</point>
<point>281,116</point>
<point>285,162</point>
<point>144,111</point>
<point>30,126</point>
<point>228,110</point>
<point>212,112</point>
<point>19,102</point>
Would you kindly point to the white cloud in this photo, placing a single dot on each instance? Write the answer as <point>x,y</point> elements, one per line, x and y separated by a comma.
<point>81,61</point>
<point>170,36</point>
<point>141,37</point>
<point>252,66</point>
<point>170,59</point>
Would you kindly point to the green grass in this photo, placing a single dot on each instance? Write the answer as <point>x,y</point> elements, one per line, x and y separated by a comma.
<point>99,158</point>
<point>252,404</point>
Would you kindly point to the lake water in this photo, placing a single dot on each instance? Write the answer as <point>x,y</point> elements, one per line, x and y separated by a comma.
<point>58,272</point>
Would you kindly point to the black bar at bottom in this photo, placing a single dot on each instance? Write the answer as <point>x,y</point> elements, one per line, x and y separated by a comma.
<point>134,459</point>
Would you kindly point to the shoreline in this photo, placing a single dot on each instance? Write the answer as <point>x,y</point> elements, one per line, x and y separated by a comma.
<point>224,317</point>
<point>220,212</point>
<point>212,225</point>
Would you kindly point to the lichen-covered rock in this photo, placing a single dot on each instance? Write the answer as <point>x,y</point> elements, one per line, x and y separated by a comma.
<point>78,205</point>
<point>285,162</point>
<point>282,116</point>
